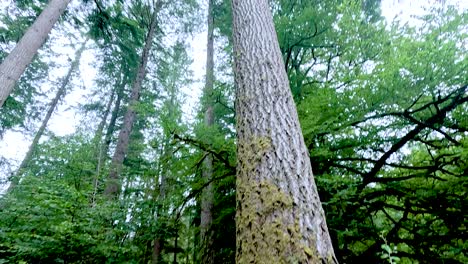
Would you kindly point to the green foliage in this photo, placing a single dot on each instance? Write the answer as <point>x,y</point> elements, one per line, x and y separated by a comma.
<point>23,102</point>
<point>385,147</point>
<point>49,216</point>
<point>387,255</point>
<point>383,109</point>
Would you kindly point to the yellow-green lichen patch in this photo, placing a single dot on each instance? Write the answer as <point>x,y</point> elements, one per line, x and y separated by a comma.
<point>267,231</point>
<point>266,228</point>
<point>251,151</point>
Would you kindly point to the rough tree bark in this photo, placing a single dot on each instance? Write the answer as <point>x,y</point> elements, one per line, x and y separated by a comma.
<point>113,182</point>
<point>53,104</point>
<point>206,236</point>
<point>279,215</point>
<point>21,56</point>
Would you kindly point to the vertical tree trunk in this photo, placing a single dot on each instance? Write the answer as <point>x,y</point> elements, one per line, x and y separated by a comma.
<point>176,245</point>
<point>159,241</point>
<point>100,145</point>
<point>165,158</point>
<point>206,235</point>
<point>157,248</point>
<point>158,244</point>
<point>279,215</point>
<point>113,182</point>
<point>21,56</point>
<point>115,114</point>
<point>100,128</point>
<point>53,104</point>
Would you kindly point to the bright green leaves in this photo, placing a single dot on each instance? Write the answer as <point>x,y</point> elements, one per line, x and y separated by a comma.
<point>391,113</point>
<point>360,86</point>
<point>305,31</point>
<point>52,216</point>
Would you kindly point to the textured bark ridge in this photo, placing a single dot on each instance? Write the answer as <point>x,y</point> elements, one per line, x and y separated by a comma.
<point>279,215</point>
<point>21,56</point>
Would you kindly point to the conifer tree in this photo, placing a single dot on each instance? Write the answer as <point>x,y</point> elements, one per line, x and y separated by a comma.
<point>279,215</point>
<point>206,236</point>
<point>113,184</point>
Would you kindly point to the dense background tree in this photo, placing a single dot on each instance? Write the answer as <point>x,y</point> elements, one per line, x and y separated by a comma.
<point>113,183</point>
<point>61,92</point>
<point>382,106</point>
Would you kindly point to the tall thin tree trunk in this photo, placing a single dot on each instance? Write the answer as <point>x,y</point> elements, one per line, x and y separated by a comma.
<point>157,248</point>
<point>279,216</point>
<point>100,145</point>
<point>164,163</point>
<point>115,114</point>
<point>159,241</point>
<point>176,245</point>
<point>160,208</point>
<point>53,104</point>
<point>206,235</point>
<point>104,143</point>
<point>21,56</point>
<point>113,182</point>
<point>100,128</point>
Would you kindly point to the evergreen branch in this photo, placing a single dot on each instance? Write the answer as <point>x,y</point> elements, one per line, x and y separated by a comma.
<point>221,155</point>
<point>197,191</point>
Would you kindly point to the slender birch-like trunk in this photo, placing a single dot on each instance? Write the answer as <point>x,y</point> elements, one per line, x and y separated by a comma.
<point>279,216</point>
<point>21,56</point>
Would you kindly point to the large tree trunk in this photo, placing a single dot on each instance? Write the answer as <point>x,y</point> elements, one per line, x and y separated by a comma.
<point>157,249</point>
<point>206,235</point>
<point>53,104</point>
<point>113,182</point>
<point>21,56</point>
<point>279,215</point>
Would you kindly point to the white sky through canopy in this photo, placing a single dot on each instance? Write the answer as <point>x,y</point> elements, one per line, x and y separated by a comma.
<point>14,145</point>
